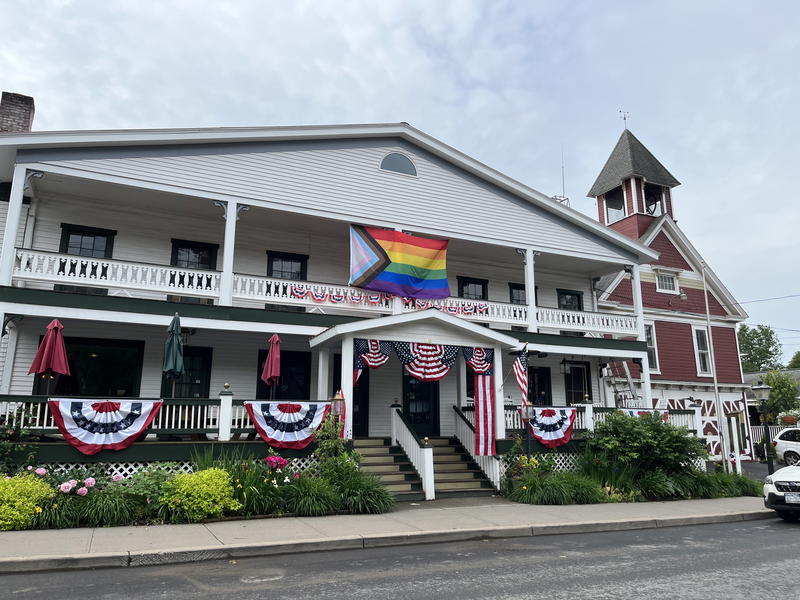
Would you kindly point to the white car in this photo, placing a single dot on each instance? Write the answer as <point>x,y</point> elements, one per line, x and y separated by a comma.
<point>787,445</point>
<point>782,493</point>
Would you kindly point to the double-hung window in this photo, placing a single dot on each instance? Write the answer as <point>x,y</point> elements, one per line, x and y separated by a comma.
<point>667,283</point>
<point>192,255</point>
<point>652,348</point>
<point>89,242</point>
<point>473,289</point>
<point>283,265</point>
<point>702,350</point>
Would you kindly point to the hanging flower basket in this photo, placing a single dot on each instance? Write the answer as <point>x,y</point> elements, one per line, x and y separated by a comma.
<point>789,420</point>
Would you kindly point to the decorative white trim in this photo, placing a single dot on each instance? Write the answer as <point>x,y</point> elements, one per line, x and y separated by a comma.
<point>652,326</point>
<point>662,290</point>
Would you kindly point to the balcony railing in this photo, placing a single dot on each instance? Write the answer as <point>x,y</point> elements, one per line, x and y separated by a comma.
<point>54,267</point>
<point>36,265</point>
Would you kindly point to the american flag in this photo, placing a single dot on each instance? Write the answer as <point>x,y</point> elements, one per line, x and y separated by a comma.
<point>521,373</point>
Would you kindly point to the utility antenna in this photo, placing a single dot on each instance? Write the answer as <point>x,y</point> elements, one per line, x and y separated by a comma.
<point>624,115</point>
<point>563,197</point>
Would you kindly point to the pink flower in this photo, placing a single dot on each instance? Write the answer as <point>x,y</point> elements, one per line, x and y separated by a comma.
<point>30,468</point>
<point>73,482</point>
<point>117,477</point>
<point>82,491</point>
<point>89,482</point>
<point>65,487</point>
<point>40,471</point>
<point>297,475</point>
<point>276,462</point>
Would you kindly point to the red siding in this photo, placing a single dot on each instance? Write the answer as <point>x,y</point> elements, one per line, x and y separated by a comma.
<point>677,357</point>
<point>633,226</point>
<point>694,302</point>
<point>669,257</point>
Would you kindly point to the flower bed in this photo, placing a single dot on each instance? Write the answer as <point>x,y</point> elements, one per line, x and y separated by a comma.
<point>218,487</point>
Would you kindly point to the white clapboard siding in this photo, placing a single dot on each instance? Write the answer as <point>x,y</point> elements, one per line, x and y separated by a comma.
<point>343,178</point>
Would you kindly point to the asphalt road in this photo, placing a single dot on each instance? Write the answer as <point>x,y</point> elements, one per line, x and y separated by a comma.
<point>756,559</point>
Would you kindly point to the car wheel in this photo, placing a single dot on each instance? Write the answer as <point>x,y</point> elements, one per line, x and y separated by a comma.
<point>792,517</point>
<point>791,458</point>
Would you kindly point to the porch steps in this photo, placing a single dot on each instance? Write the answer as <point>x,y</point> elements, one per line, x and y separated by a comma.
<point>455,474</point>
<point>391,466</point>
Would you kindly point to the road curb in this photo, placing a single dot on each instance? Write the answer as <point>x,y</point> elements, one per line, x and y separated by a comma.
<point>354,542</point>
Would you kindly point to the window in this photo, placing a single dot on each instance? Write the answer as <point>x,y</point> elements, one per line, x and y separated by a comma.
<point>87,241</point>
<point>653,199</point>
<point>701,351</point>
<point>577,387</point>
<point>283,265</point>
<point>517,294</point>
<point>194,255</point>
<point>399,163</point>
<point>652,349</point>
<point>472,289</point>
<point>790,435</point>
<point>667,283</point>
<point>570,300</point>
<point>615,205</point>
<point>91,242</point>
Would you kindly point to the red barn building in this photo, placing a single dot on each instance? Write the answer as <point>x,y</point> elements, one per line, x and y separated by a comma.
<point>634,197</point>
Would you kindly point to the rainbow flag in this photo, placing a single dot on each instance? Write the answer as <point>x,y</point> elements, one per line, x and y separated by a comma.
<point>397,263</point>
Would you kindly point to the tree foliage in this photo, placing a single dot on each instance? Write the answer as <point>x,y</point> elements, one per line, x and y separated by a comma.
<point>760,348</point>
<point>783,395</point>
<point>795,362</point>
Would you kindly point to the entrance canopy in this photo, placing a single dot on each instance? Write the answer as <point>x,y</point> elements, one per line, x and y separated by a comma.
<point>430,327</point>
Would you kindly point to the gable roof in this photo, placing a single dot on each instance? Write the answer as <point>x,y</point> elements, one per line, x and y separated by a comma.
<point>430,316</point>
<point>667,225</point>
<point>630,157</point>
<point>9,144</point>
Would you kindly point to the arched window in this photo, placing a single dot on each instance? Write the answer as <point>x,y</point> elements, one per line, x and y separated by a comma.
<point>398,163</point>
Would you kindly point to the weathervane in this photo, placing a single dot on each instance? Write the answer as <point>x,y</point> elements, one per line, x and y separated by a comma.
<point>624,115</point>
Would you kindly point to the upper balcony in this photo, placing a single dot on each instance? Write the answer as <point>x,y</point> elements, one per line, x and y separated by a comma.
<point>129,243</point>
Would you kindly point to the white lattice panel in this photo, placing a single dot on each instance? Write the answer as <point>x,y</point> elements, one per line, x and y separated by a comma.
<point>561,461</point>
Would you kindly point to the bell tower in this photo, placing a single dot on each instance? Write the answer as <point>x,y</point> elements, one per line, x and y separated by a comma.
<point>633,188</point>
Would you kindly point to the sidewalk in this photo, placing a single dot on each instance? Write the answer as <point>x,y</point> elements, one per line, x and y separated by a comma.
<point>426,522</point>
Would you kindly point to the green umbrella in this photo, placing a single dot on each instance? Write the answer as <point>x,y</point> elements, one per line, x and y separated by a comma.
<point>173,352</point>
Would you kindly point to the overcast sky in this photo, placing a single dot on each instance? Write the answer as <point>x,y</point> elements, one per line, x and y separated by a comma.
<point>712,89</point>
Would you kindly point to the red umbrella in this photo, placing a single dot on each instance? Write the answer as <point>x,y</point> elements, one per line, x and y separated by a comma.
<point>51,357</point>
<point>272,367</point>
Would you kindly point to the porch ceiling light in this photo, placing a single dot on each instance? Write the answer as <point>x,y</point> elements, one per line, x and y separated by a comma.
<point>761,391</point>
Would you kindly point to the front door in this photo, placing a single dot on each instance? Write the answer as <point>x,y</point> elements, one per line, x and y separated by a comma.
<point>360,397</point>
<point>539,391</point>
<point>577,383</point>
<point>196,379</point>
<point>295,381</point>
<point>421,404</point>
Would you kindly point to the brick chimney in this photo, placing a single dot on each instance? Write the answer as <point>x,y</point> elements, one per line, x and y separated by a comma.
<point>16,113</point>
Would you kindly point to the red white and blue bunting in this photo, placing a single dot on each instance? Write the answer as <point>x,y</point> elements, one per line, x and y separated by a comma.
<point>640,412</point>
<point>91,425</point>
<point>552,426</point>
<point>287,424</point>
<point>426,362</point>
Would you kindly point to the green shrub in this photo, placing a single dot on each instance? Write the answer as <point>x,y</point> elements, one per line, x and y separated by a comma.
<point>197,496</point>
<point>656,485</point>
<point>617,480</point>
<point>363,493</point>
<point>311,497</point>
<point>329,442</point>
<point>144,488</point>
<point>254,489</point>
<point>106,507</point>
<point>560,488</point>
<point>645,443</point>
<point>62,511</point>
<point>340,467</point>
<point>22,498</point>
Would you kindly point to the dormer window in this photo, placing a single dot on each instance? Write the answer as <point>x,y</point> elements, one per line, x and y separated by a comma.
<point>653,199</point>
<point>615,205</point>
<point>399,163</point>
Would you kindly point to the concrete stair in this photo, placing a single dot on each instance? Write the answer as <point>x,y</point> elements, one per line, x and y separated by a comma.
<point>454,472</point>
<point>391,466</point>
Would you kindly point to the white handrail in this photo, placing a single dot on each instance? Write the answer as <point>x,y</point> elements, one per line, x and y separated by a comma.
<point>576,320</point>
<point>37,265</point>
<point>420,456</point>
<point>490,465</point>
<point>472,310</point>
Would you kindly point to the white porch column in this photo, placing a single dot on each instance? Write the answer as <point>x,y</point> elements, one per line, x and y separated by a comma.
<point>644,377</point>
<point>7,254</point>
<point>499,401</point>
<point>461,382</point>
<point>11,353</point>
<point>323,374</point>
<point>347,384</point>
<point>530,290</point>
<point>226,280</point>
<point>638,307</point>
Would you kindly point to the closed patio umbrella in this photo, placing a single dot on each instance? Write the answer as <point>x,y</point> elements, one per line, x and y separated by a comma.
<point>173,352</point>
<point>51,357</point>
<point>272,366</point>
